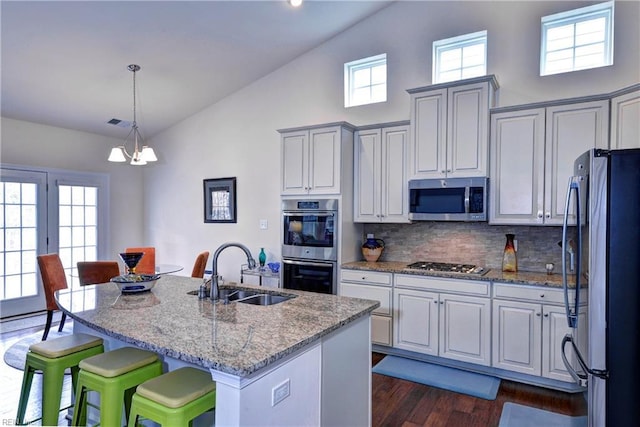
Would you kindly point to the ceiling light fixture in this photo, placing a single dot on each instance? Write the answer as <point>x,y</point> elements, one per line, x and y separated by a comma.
<point>295,3</point>
<point>141,153</point>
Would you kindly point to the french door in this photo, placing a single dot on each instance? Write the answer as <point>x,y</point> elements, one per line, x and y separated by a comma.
<point>45,212</point>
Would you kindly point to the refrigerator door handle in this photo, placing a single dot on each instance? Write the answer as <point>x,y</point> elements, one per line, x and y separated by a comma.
<point>572,314</point>
<point>580,377</point>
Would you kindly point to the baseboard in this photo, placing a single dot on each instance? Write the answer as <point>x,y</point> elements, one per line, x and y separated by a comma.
<point>29,321</point>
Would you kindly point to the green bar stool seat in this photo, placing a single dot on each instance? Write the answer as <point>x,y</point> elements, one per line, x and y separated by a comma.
<point>53,357</point>
<point>175,398</point>
<point>115,375</point>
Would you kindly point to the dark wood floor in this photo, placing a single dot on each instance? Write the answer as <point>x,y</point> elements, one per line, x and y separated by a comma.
<point>396,402</point>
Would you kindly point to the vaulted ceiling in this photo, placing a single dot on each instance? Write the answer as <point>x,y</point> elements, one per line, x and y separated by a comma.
<point>64,63</point>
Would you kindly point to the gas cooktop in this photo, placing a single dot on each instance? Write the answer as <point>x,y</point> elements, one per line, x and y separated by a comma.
<point>446,267</point>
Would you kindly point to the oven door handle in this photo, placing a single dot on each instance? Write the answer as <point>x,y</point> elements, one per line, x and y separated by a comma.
<point>309,213</point>
<point>312,263</point>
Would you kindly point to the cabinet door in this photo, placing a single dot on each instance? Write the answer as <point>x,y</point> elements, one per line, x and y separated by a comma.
<point>467,130</point>
<point>416,321</point>
<point>625,121</point>
<point>367,173</point>
<point>428,136</point>
<point>324,161</point>
<point>571,130</point>
<point>465,331</point>
<point>381,330</point>
<point>517,167</point>
<point>554,328</point>
<point>394,193</point>
<point>376,293</point>
<point>516,336</point>
<point>295,162</point>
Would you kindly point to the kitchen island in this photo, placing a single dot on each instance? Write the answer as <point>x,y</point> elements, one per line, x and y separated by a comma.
<point>304,361</point>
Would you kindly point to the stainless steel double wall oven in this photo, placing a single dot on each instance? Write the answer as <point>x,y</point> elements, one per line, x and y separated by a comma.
<point>310,245</point>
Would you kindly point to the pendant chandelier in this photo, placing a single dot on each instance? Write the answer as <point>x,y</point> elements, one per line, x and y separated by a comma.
<point>141,153</point>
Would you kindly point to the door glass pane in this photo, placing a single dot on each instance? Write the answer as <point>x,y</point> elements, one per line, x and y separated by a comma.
<point>18,241</point>
<point>78,234</point>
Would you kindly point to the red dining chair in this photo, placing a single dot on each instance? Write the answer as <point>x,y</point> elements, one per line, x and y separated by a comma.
<point>94,272</point>
<point>147,264</point>
<point>200,265</point>
<point>53,279</point>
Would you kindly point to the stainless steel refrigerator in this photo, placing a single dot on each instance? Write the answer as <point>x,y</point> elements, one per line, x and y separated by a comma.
<point>604,199</point>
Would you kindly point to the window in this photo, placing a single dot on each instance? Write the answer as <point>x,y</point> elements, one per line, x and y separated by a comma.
<point>577,40</point>
<point>365,81</point>
<point>460,57</point>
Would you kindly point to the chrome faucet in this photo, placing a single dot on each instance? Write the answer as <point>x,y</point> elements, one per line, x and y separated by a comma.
<point>215,290</point>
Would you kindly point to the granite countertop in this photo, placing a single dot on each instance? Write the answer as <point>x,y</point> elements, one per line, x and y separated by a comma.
<point>235,338</point>
<point>521,277</point>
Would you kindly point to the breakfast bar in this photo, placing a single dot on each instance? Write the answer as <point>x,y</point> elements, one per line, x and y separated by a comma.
<point>303,361</point>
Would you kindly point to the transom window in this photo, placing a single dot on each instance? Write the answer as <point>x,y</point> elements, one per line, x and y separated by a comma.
<point>365,81</point>
<point>460,57</point>
<point>578,39</point>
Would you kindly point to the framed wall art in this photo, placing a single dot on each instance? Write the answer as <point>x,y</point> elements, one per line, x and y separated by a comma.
<point>220,200</point>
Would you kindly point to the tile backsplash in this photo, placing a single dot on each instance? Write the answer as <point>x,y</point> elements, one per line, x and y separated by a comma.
<point>469,243</point>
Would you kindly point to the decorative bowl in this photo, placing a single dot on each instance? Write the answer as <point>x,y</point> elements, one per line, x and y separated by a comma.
<point>274,267</point>
<point>132,283</point>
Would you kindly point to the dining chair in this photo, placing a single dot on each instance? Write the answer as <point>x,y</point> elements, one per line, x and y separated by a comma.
<point>93,272</point>
<point>54,279</point>
<point>200,265</point>
<point>147,264</point>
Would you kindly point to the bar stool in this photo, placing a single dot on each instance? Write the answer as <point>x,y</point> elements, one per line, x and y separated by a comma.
<point>175,398</point>
<point>114,374</point>
<point>53,357</point>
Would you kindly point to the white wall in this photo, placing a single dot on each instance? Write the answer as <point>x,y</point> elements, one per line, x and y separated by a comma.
<point>30,144</point>
<point>237,137</point>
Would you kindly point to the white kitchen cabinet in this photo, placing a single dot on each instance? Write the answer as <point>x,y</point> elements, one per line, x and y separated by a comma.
<point>529,324</point>
<point>449,128</point>
<point>380,174</point>
<point>532,156</point>
<point>431,317</point>
<point>314,160</point>
<point>625,119</point>
<point>374,286</point>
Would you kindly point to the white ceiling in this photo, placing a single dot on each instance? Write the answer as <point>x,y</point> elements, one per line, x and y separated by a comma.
<point>64,63</point>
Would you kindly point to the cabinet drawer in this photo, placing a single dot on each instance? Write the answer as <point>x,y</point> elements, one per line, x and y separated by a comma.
<point>532,293</point>
<point>365,276</point>
<point>439,284</point>
<point>380,330</point>
<point>376,293</point>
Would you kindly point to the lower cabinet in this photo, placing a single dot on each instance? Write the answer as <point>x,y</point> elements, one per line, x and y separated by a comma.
<point>374,286</point>
<point>529,324</point>
<point>442,324</point>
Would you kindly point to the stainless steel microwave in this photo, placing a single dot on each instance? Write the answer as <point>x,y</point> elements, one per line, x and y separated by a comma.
<point>449,199</point>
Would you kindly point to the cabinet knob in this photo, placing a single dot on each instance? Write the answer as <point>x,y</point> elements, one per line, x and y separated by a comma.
<point>443,171</point>
<point>546,315</point>
<point>541,295</point>
<point>435,302</point>
<point>547,215</point>
<point>538,314</point>
<point>441,302</point>
<point>449,170</point>
<point>539,214</point>
<point>364,278</point>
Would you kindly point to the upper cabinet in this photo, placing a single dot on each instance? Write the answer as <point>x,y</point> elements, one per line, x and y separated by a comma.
<point>380,174</point>
<point>449,128</point>
<point>625,118</point>
<point>532,155</point>
<point>315,158</point>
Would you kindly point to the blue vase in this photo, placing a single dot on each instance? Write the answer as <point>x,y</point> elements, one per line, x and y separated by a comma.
<point>262,258</point>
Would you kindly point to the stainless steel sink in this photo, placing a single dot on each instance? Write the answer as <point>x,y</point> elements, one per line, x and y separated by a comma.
<point>265,299</point>
<point>244,296</point>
